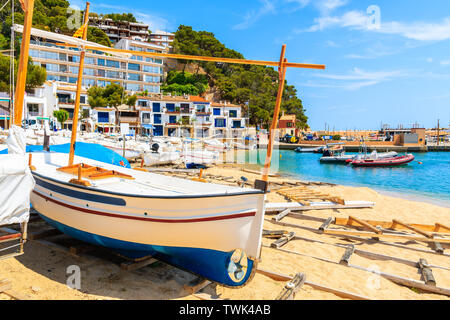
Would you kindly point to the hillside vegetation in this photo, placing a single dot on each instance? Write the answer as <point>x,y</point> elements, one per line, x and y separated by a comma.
<point>254,87</point>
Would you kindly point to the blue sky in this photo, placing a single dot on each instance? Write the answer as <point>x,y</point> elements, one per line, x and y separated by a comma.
<point>387,61</point>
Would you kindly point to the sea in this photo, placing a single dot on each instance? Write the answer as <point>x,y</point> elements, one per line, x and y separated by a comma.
<point>426,179</point>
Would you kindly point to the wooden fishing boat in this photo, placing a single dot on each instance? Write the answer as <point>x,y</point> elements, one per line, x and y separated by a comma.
<point>387,162</point>
<point>211,230</point>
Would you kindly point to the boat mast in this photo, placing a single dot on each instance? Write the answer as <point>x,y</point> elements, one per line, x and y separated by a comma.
<point>79,84</point>
<point>282,77</point>
<point>28,7</point>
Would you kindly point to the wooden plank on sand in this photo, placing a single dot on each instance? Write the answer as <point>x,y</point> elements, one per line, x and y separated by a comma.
<point>340,293</point>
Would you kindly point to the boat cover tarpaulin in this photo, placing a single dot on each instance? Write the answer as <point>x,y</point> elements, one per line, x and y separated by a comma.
<point>85,150</point>
<point>16,181</point>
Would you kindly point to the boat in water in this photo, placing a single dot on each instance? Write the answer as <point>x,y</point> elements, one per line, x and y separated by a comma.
<point>383,162</point>
<point>310,150</point>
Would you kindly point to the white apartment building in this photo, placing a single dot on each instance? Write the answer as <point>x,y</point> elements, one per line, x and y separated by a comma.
<point>162,38</point>
<point>116,30</point>
<point>189,116</point>
<point>136,73</point>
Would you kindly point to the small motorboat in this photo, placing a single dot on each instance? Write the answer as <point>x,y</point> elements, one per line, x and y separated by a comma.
<point>387,162</point>
<point>309,150</point>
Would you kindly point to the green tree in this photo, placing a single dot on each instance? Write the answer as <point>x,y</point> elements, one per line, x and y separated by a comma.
<point>36,75</point>
<point>62,116</point>
<point>112,95</point>
<point>254,87</point>
<point>98,36</point>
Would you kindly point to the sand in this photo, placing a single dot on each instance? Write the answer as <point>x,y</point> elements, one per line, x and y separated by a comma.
<point>41,272</point>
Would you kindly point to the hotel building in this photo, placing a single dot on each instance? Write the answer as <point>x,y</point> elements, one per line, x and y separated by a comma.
<point>136,73</point>
<point>117,30</point>
<point>162,38</point>
<point>189,116</point>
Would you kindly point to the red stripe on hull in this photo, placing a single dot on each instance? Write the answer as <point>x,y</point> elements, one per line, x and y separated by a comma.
<point>234,216</point>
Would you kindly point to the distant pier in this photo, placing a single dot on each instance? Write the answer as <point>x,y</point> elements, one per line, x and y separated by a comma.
<point>378,148</point>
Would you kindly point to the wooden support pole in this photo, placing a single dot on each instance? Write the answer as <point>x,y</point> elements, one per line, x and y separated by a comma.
<point>326,224</point>
<point>130,266</point>
<point>292,287</point>
<point>78,92</point>
<point>282,77</point>
<point>347,255</point>
<point>427,273</point>
<point>283,214</point>
<point>283,240</point>
<point>28,8</point>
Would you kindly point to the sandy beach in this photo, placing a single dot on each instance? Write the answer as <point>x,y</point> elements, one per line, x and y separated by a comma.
<point>41,272</point>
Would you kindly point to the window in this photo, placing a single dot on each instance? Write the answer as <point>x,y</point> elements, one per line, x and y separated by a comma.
<point>157,119</point>
<point>74,58</point>
<point>134,77</point>
<point>133,87</point>
<point>101,62</point>
<point>103,117</point>
<point>112,74</point>
<point>236,124</point>
<point>220,123</point>
<point>63,57</point>
<point>233,113</point>
<point>89,60</point>
<point>73,70</point>
<point>134,66</point>
<point>173,119</point>
<point>142,103</point>
<point>88,82</point>
<point>101,83</point>
<point>156,107</point>
<point>89,72</point>
<point>146,118</point>
<point>290,125</point>
<point>158,131</point>
<point>112,64</point>
<point>101,73</point>
<point>216,111</point>
<point>72,80</point>
<point>170,107</point>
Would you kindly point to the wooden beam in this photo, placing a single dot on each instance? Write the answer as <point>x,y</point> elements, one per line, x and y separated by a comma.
<point>283,240</point>
<point>326,224</point>
<point>345,260</point>
<point>365,224</point>
<point>130,266</point>
<point>427,273</point>
<point>283,214</point>
<point>202,58</point>
<point>276,115</point>
<point>282,277</point>
<point>384,235</point>
<point>28,8</point>
<point>417,230</point>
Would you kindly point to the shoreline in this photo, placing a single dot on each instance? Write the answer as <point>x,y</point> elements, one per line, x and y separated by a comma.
<point>410,195</point>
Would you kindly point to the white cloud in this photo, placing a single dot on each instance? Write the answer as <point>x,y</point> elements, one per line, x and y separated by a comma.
<point>356,79</point>
<point>445,62</point>
<point>154,21</point>
<point>268,7</point>
<point>359,20</point>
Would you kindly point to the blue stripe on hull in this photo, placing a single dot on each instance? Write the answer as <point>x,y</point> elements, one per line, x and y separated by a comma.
<point>209,264</point>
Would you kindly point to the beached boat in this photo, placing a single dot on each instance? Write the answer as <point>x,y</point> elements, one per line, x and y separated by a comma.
<point>386,162</point>
<point>211,230</point>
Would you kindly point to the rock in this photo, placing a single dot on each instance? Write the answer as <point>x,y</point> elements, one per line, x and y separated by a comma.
<point>35,289</point>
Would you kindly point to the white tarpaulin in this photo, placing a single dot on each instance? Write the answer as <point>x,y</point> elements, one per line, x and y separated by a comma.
<point>16,180</point>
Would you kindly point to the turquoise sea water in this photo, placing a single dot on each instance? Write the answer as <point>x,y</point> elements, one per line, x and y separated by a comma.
<point>430,180</point>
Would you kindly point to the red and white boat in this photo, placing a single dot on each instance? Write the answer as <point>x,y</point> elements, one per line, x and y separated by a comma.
<point>388,162</point>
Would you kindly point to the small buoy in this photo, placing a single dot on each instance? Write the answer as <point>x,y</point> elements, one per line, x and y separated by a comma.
<point>281,157</point>
<point>420,162</point>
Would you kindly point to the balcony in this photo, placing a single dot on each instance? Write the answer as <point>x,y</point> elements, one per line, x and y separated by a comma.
<point>129,119</point>
<point>203,113</point>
